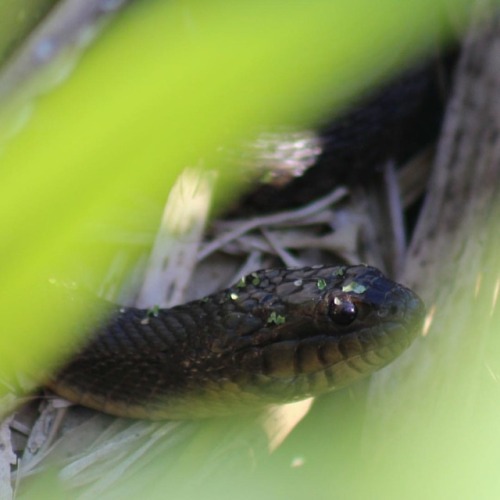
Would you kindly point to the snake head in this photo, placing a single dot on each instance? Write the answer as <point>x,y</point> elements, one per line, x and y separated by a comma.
<point>325,328</point>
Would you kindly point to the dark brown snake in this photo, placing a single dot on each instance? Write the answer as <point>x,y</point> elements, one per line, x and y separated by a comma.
<point>277,336</point>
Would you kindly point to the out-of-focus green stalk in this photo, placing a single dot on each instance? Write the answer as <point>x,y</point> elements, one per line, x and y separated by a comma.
<point>158,91</point>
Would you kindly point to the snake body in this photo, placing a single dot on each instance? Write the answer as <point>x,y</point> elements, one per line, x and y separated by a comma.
<point>277,336</point>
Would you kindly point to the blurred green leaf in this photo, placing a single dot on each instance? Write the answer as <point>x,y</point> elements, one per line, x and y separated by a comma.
<point>166,85</point>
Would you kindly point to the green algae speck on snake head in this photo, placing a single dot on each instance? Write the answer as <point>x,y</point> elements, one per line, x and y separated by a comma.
<point>277,336</point>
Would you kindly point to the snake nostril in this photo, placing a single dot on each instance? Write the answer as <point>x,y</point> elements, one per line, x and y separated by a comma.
<point>389,311</point>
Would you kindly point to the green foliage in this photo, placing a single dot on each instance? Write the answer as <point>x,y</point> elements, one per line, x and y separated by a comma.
<point>166,85</point>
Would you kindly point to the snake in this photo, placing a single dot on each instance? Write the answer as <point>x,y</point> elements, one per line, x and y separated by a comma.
<point>276,336</point>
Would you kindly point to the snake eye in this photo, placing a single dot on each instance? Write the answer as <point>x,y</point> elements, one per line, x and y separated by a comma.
<point>342,311</point>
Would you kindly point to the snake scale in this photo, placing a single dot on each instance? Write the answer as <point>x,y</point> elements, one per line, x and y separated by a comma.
<point>276,336</point>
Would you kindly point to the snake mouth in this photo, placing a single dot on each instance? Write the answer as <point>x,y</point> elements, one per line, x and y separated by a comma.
<point>364,352</point>
<point>296,369</point>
